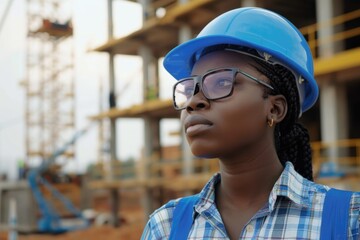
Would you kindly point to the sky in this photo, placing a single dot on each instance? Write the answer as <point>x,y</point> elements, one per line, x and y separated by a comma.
<point>91,68</point>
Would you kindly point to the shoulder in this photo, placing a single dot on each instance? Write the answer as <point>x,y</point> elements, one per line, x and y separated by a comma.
<point>319,191</point>
<point>159,224</point>
<point>165,212</point>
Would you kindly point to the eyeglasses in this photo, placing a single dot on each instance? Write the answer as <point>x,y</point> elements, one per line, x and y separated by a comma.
<point>215,84</point>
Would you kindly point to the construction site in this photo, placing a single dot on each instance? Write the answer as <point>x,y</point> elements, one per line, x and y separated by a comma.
<point>113,197</point>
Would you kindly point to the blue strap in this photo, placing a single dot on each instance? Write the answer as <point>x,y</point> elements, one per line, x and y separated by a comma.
<point>183,218</point>
<point>335,215</point>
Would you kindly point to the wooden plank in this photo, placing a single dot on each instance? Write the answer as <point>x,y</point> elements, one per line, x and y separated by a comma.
<point>130,44</point>
<point>116,184</point>
<point>176,183</point>
<point>158,3</point>
<point>166,28</point>
<point>154,108</point>
<point>43,154</point>
<point>183,9</point>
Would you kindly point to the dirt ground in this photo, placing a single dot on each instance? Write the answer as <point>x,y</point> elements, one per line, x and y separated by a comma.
<point>3,236</point>
<point>132,225</point>
<point>131,232</point>
<point>131,229</point>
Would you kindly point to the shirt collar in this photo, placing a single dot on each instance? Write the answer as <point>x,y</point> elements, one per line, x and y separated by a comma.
<point>290,185</point>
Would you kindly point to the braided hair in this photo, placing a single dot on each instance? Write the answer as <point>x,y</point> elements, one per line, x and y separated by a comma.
<point>292,140</point>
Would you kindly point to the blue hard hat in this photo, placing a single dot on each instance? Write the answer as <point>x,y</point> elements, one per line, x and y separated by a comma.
<point>275,38</point>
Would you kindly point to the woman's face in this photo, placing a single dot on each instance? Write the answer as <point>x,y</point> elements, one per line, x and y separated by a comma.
<point>222,128</point>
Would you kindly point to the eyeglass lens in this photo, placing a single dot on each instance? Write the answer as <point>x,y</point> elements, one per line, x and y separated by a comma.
<point>215,85</point>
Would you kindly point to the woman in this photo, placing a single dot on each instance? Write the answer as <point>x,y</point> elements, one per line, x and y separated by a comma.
<point>243,83</point>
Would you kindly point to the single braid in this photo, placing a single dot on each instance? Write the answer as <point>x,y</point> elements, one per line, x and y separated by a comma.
<point>291,138</point>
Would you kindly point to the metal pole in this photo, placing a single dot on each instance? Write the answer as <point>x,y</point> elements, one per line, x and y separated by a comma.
<point>110,20</point>
<point>113,191</point>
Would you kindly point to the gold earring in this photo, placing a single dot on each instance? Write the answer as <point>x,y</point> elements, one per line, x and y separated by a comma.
<point>271,122</point>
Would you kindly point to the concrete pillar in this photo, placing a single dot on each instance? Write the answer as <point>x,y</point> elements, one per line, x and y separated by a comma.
<point>334,115</point>
<point>114,194</point>
<point>147,9</point>
<point>185,34</point>
<point>333,101</point>
<point>112,87</point>
<point>110,20</point>
<point>248,3</point>
<point>152,126</point>
<point>329,110</point>
<point>342,112</point>
<point>113,135</point>
<point>150,74</point>
<point>325,11</point>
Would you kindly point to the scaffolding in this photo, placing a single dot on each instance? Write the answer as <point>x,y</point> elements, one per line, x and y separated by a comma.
<point>50,80</point>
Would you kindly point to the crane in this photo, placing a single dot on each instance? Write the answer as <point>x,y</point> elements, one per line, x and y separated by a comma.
<point>50,220</point>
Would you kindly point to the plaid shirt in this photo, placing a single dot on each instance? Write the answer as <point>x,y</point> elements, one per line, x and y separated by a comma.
<point>293,211</point>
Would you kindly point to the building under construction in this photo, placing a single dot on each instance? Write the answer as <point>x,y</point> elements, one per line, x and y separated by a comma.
<point>130,191</point>
<point>331,28</point>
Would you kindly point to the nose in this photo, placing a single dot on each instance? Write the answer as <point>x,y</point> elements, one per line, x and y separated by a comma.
<point>198,101</point>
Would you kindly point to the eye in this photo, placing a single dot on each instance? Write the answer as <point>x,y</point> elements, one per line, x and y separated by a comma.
<point>223,82</point>
<point>185,88</point>
<point>188,91</point>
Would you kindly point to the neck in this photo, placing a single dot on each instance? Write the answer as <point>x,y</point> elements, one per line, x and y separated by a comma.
<point>249,177</point>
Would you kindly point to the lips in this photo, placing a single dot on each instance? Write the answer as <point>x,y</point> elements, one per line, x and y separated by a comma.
<point>196,124</point>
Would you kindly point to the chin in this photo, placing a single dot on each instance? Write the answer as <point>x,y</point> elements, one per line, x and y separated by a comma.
<point>204,149</point>
<point>202,153</point>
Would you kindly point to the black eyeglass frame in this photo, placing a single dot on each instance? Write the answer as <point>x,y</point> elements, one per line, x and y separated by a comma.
<point>199,79</point>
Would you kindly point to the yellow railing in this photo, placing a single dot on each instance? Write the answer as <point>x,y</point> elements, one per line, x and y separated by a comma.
<point>311,32</point>
<point>345,153</point>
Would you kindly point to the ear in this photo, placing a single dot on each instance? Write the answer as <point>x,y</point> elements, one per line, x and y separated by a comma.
<point>278,108</point>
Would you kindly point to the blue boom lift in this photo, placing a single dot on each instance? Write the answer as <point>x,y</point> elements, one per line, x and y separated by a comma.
<point>50,221</point>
